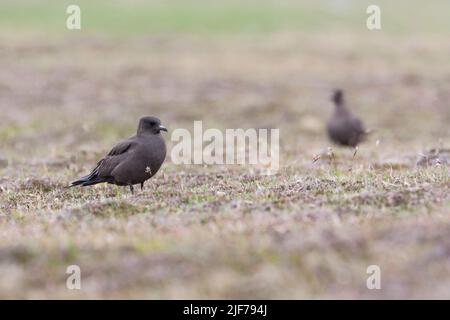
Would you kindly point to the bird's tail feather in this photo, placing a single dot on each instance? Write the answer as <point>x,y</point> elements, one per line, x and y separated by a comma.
<point>88,180</point>
<point>79,182</point>
<point>94,181</point>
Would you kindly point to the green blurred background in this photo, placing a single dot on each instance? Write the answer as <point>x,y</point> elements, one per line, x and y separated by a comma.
<point>120,17</point>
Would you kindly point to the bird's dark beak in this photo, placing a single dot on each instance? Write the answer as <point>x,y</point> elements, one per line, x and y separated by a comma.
<point>162,128</point>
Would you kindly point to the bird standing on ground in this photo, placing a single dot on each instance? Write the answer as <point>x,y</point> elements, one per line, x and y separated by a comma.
<point>132,161</point>
<point>343,127</point>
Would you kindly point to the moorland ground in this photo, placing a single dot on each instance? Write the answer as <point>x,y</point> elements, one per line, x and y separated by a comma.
<point>310,231</point>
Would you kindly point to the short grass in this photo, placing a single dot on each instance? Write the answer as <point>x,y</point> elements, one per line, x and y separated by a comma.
<point>310,231</point>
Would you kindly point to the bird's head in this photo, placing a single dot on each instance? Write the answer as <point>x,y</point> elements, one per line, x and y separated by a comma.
<point>338,97</point>
<point>150,125</point>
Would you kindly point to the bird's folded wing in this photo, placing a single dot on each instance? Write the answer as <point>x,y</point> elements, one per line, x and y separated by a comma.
<point>114,158</point>
<point>358,126</point>
<point>121,147</point>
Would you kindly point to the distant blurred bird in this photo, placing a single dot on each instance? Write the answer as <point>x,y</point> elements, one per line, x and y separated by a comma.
<point>343,127</point>
<point>132,161</point>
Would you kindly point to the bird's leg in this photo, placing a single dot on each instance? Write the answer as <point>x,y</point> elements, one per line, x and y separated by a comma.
<point>142,186</point>
<point>355,152</point>
<point>132,189</point>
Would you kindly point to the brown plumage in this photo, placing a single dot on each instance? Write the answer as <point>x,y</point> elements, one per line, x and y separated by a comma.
<point>343,127</point>
<point>132,161</point>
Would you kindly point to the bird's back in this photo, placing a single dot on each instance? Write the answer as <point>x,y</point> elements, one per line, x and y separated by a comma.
<point>345,129</point>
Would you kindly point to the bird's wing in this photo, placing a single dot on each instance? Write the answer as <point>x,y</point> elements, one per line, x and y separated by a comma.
<point>358,126</point>
<point>117,154</point>
<point>102,172</point>
<point>121,147</point>
<point>106,165</point>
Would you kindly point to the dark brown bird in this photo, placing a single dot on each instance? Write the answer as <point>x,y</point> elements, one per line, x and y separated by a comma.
<point>132,161</point>
<point>343,127</point>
